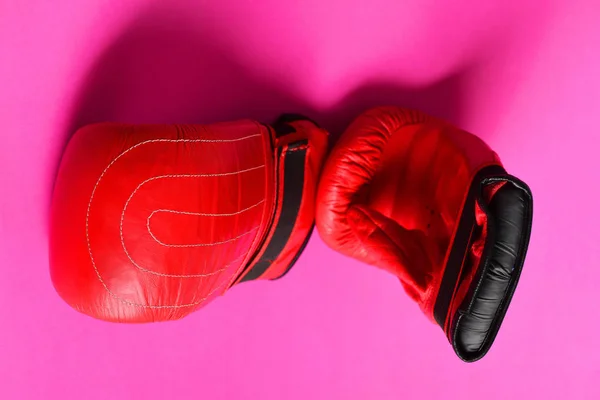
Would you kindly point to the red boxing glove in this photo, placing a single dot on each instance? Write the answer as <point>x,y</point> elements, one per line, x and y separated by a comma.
<point>433,205</point>
<point>151,222</point>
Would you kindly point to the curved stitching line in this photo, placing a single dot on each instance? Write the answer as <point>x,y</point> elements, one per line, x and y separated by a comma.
<point>169,306</point>
<point>200,244</point>
<point>87,217</point>
<point>201,214</point>
<point>194,214</point>
<point>181,275</point>
<point>179,176</point>
<point>254,241</point>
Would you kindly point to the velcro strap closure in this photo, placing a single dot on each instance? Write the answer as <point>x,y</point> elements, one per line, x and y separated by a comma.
<point>289,193</point>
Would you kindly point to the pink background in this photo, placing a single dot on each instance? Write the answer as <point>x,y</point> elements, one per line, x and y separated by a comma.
<point>524,75</point>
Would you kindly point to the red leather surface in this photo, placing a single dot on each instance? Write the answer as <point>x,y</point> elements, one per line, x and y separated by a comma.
<point>152,222</point>
<point>392,191</point>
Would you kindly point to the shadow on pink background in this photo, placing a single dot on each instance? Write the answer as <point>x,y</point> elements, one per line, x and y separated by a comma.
<point>523,75</point>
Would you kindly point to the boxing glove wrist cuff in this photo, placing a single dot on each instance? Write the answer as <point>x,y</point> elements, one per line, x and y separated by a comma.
<point>298,154</point>
<point>291,164</point>
<point>475,293</point>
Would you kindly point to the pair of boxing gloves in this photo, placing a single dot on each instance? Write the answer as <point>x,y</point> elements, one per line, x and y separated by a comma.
<point>152,222</point>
